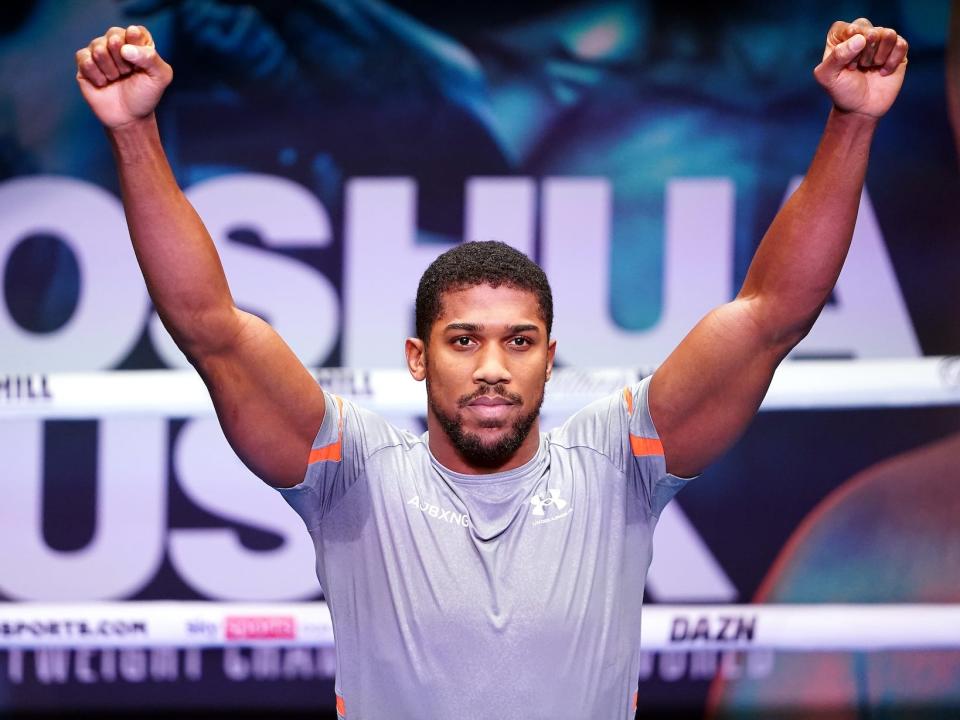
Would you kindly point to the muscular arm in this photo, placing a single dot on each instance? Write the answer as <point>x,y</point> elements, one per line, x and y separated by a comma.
<point>706,392</point>
<point>268,404</point>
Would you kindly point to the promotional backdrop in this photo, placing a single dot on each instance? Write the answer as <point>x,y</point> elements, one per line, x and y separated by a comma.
<point>636,151</point>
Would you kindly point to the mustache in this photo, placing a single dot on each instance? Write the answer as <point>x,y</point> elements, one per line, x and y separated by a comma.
<point>498,390</point>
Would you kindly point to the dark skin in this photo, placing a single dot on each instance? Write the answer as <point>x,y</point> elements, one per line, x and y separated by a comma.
<point>701,398</point>
<point>485,337</point>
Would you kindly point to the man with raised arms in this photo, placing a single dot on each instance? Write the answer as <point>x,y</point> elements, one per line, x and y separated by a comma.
<point>482,569</point>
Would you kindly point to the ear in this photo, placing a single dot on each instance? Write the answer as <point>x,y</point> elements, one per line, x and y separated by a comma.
<point>416,358</point>
<point>551,352</point>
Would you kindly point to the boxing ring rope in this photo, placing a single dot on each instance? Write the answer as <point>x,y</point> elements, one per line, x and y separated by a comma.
<point>665,627</point>
<point>797,385</point>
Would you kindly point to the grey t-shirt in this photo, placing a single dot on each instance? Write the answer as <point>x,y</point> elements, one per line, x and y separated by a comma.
<point>507,595</point>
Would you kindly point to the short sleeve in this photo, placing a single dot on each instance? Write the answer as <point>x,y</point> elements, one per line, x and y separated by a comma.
<point>644,463</point>
<point>620,427</point>
<point>334,465</point>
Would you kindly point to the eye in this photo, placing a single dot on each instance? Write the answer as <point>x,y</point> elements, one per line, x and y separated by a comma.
<point>462,341</point>
<point>520,341</point>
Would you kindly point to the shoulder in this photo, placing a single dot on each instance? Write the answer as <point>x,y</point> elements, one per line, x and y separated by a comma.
<point>605,424</point>
<point>372,430</point>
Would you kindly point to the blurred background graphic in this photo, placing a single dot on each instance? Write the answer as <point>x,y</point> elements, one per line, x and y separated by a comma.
<point>638,150</point>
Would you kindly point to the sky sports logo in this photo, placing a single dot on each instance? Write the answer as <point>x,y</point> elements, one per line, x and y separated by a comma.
<point>261,627</point>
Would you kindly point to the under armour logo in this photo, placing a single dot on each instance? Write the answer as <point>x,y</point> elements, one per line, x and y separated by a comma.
<point>539,503</point>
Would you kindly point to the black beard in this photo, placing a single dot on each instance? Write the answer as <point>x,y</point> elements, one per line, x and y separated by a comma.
<point>472,448</point>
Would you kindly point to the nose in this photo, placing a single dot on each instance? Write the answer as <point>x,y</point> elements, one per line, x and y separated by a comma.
<point>491,366</point>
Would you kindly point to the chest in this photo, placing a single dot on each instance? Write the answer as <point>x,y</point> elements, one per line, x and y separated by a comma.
<point>565,541</point>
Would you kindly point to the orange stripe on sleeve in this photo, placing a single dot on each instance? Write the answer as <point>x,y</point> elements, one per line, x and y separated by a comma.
<point>333,451</point>
<point>327,452</point>
<point>642,446</point>
<point>628,396</point>
<point>341,707</point>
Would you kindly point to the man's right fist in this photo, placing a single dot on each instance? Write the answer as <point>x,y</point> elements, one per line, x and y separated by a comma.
<point>121,75</point>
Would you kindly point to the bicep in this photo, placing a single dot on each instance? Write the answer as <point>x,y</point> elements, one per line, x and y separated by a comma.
<point>268,404</point>
<point>704,395</point>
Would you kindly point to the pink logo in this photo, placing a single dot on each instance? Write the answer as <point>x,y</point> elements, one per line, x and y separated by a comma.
<point>261,627</point>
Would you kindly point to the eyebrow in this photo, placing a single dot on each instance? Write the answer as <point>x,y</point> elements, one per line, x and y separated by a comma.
<point>477,327</point>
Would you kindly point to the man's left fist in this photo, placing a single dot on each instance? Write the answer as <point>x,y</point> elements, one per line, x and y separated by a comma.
<point>863,67</point>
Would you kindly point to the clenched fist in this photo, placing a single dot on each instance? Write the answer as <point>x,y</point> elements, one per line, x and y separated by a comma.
<point>863,67</point>
<point>121,75</point>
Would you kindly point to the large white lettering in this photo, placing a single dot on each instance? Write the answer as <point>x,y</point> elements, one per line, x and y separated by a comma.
<point>127,546</point>
<point>383,259</point>
<point>213,560</point>
<point>698,268</point>
<point>382,262</point>
<point>113,301</point>
<point>501,209</point>
<point>131,520</point>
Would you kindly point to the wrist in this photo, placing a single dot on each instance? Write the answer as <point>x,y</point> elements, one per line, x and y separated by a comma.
<point>854,126</point>
<point>135,139</point>
<point>854,118</point>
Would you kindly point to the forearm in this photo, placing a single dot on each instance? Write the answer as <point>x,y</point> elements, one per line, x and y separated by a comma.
<point>177,257</point>
<point>800,257</point>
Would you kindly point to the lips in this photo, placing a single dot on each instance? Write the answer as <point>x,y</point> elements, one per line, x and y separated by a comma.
<point>490,410</point>
<point>490,397</point>
<point>489,401</point>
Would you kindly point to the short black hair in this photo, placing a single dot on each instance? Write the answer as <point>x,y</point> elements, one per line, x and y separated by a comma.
<point>479,263</point>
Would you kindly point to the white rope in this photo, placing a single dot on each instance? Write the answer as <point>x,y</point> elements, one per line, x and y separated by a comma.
<point>802,384</point>
<point>683,627</point>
